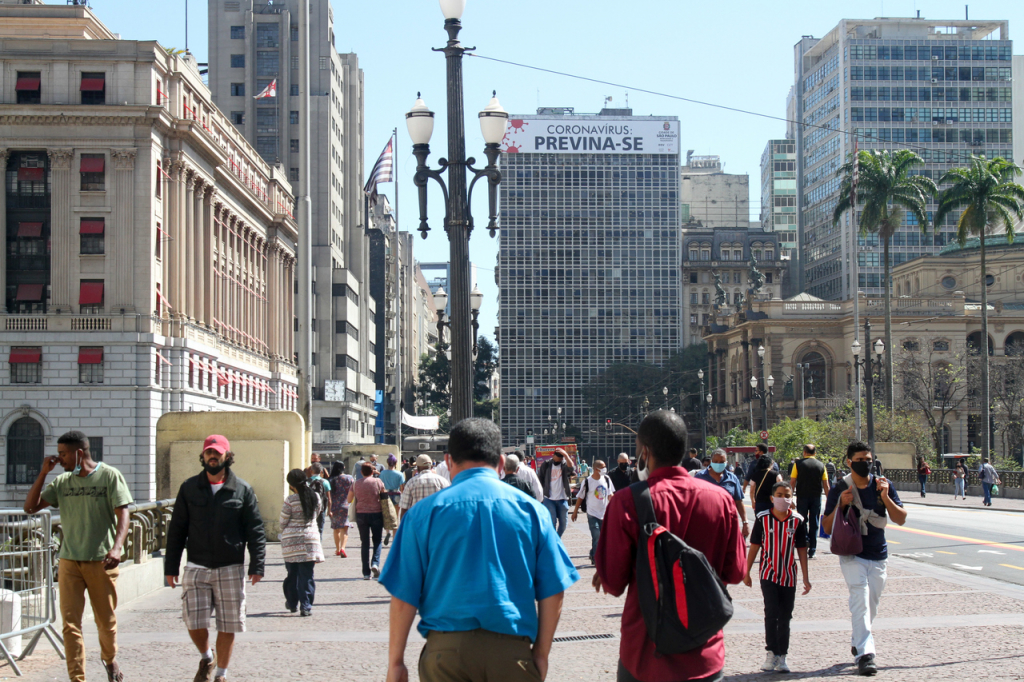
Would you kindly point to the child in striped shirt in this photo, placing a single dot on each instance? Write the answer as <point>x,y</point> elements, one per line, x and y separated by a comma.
<point>780,534</point>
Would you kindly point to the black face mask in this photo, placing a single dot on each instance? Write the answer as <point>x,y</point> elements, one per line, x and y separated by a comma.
<point>861,468</point>
<point>623,465</point>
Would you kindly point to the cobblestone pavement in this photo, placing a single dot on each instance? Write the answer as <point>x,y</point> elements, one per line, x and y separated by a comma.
<point>933,624</point>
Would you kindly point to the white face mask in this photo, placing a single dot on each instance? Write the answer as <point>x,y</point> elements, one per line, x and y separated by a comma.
<point>643,473</point>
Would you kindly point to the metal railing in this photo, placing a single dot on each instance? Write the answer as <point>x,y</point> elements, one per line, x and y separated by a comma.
<point>147,531</point>
<point>1010,479</point>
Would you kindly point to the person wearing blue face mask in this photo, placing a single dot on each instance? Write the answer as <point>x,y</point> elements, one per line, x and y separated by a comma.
<point>716,473</point>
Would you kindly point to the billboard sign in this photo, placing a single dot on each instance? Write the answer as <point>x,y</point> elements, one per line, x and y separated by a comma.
<point>591,136</point>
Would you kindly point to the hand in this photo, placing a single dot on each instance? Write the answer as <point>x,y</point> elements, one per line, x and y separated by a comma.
<point>747,581</point>
<point>883,485</point>
<point>541,661</point>
<point>846,497</point>
<point>255,578</point>
<point>397,672</point>
<point>172,581</point>
<point>745,530</point>
<point>807,586</point>
<point>49,463</point>
<point>597,584</point>
<point>113,559</point>
<point>574,517</point>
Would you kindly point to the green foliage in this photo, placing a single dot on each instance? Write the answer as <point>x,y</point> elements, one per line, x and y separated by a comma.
<point>790,435</point>
<point>434,384</point>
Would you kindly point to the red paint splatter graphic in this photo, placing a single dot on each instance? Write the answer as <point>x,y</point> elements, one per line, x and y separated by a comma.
<point>512,149</point>
<point>517,125</point>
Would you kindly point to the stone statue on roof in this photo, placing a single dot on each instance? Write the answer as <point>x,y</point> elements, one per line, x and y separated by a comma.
<point>755,277</point>
<point>721,298</point>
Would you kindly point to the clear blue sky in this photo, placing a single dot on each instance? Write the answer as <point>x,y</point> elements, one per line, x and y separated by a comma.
<point>736,53</point>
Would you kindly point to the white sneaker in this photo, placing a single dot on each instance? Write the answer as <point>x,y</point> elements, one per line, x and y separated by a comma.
<point>780,664</point>
<point>769,662</point>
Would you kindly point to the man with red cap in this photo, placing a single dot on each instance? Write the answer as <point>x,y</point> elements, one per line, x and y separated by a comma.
<point>215,516</point>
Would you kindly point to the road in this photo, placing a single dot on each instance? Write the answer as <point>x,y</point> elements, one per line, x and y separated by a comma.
<point>980,542</point>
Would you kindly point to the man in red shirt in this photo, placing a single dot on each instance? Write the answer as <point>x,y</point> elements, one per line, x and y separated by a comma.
<point>703,516</point>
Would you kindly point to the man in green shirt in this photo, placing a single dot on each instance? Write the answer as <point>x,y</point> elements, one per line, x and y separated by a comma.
<point>93,500</point>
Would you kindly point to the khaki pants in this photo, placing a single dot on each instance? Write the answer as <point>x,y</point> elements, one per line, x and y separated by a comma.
<point>477,655</point>
<point>74,578</point>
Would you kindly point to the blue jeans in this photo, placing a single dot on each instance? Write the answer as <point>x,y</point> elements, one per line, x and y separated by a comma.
<point>299,586</point>
<point>595,533</point>
<point>559,510</point>
<point>369,524</point>
<point>958,488</point>
<point>987,488</point>
<point>922,479</point>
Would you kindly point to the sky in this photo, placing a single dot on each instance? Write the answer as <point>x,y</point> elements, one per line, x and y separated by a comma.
<point>736,53</point>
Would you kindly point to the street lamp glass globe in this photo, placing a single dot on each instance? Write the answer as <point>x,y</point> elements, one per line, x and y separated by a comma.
<point>493,120</point>
<point>440,300</point>
<point>855,348</point>
<point>559,410</point>
<point>476,298</point>
<point>700,374</point>
<point>420,122</point>
<point>770,381</point>
<point>664,391</point>
<point>708,398</point>
<point>453,9</point>
<point>879,347</point>
<point>753,382</point>
<point>760,352</point>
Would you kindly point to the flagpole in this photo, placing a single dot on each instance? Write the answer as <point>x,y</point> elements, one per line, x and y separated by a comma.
<point>398,306</point>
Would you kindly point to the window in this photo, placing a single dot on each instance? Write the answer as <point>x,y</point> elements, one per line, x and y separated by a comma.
<point>345,327</point>
<point>96,448</point>
<point>238,61</point>
<point>330,423</point>
<point>293,118</point>
<point>238,117</point>
<point>768,278</point>
<point>266,120</point>
<point>268,62</point>
<point>693,298</point>
<point>940,345</point>
<point>24,451</point>
<point>90,295</point>
<point>911,345</point>
<point>346,361</point>
<point>268,34</point>
<point>90,365</point>
<point>94,88</point>
<point>693,278</point>
<point>705,298</point>
<point>295,33</point>
<point>29,87</point>
<point>158,248</point>
<point>92,167</point>
<point>238,32</point>
<point>267,148</point>
<point>293,146</point>
<point>238,89</point>
<point>293,90</point>
<point>293,174</point>
<point>26,366</point>
<point>91,233</point>
<point>949,282</point>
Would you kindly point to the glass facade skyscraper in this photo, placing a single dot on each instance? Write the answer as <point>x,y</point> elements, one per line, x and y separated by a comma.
<point>940,88</point>
<point>589,259</point>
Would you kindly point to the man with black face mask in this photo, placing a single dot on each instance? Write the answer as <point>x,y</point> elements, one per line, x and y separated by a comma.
<point>875,502</point>
<point>620,474</point>
<point>215,517</point>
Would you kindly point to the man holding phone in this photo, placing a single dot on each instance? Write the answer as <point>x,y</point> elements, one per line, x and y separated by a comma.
<point>93,499</point>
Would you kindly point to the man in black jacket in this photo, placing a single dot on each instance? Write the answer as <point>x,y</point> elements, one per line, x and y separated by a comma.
<point>215,516</point>
<point>620,474</point>
<point>554,477</point>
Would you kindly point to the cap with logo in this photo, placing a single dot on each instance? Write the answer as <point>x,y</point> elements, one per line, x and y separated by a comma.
<point>218,443</point>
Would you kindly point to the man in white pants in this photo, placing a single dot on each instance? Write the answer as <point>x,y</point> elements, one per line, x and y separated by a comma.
<point>876,503</point>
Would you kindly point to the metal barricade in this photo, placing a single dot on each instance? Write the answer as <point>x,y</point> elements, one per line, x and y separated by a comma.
<point>28,596</point>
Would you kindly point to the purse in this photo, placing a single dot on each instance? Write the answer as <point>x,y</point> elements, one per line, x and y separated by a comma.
<point>846,537</point>
<point>387,508</point>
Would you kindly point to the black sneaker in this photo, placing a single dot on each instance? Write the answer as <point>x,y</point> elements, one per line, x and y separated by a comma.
<point>853,651</point>
<point>387,539</point>
<point>291,607</point>
<point>866,665</point>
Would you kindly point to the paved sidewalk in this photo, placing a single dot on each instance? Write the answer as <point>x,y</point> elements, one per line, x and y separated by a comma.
<point>1006,504</point>
<point>933,624</point>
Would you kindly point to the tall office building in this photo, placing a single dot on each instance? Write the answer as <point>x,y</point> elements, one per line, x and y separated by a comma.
<point>778,206</point>
<point>941,88</point>
<point>589,258</point>
<point>254,44</point>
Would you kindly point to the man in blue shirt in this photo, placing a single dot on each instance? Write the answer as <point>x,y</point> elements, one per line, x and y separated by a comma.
<point>473,559</point>
<point>716,473</point>
<point>876,503</point>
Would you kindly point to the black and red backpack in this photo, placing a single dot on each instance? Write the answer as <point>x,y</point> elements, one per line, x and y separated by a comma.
<point>683,601</point>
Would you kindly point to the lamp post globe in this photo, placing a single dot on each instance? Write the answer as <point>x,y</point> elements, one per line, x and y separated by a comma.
<point>700,374</point>
<point>440,300</point>
<point>453,9</point>
<point>753,382</point>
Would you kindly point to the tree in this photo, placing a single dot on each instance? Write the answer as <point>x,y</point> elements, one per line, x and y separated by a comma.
<point>1008,402</point>
<point>936,385</point>
<point>887,189</point>
<point>434,385</point>
<point>985,195</point>
<point>486,363</point>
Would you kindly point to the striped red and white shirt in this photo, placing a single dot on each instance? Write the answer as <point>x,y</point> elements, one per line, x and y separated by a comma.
<point>778,541</point>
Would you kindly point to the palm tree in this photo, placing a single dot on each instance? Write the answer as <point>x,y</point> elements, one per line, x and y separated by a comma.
<point>885,190</point>
<point>986,195</point>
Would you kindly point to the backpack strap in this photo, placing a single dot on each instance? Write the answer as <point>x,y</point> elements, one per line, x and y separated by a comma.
<point>644,505</point>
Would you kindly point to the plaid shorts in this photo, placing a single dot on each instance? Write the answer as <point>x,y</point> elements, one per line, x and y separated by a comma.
<point>209,590</point>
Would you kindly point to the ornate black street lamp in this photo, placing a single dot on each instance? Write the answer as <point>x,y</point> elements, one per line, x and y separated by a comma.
<point>867,365</point>
<point>458,221</point>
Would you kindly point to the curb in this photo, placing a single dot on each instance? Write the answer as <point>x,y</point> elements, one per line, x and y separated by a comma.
<point>972,508</point>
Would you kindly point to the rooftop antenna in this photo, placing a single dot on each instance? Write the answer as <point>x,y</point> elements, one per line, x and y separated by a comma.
<point>627,100</point>
<point>606,101</point>
<point>186,25</point>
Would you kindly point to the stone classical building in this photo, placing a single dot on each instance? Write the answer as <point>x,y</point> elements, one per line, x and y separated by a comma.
<point>936,320</point>
<point>148,263</point>
<point>725,251</point>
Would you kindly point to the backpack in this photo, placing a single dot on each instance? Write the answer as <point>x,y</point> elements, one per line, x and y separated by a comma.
<point>682,599</point>
<point>321,491</point>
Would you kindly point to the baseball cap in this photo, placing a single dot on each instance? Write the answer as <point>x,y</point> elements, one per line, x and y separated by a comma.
<point>424,460</point>
<point>218,443</point>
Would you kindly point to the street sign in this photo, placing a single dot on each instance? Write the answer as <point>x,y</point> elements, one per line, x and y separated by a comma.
<point>764,435</point>
<point>569,439</point>
<point>529,440</point>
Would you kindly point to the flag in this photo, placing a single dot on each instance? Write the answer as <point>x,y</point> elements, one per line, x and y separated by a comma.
<point>269,91</point>
<point>383,171</point>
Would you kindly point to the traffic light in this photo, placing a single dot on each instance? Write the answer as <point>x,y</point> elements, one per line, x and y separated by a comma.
<point>608,424</point>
